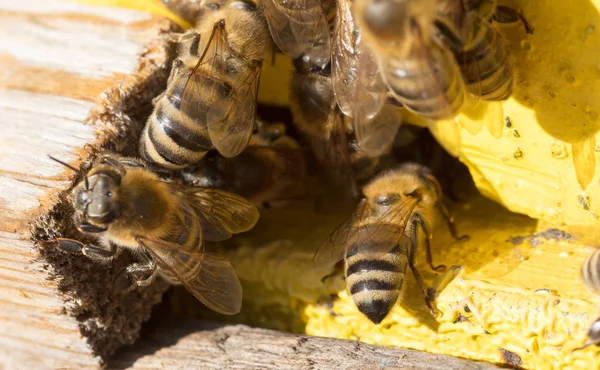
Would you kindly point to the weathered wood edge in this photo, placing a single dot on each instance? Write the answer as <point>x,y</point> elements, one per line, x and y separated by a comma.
<point>108,319</point>
<point>57,309</point>
<point>188,343</point>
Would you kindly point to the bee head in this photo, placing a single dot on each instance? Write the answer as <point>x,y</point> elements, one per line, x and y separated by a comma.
<point>96,198</point>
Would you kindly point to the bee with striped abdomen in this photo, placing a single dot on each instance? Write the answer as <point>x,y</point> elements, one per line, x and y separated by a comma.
<point>419,71</point>
<point>479,50</point>
<point>379,241</point>
<point>210,100</point>
<point>126,206</point>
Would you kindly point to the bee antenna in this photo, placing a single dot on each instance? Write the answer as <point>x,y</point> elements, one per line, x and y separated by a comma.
<point>87,185</point>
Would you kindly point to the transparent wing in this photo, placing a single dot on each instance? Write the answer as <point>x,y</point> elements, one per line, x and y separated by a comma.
<point>334,248</point>
<point>221,92</point>
<point>333,152</point>
<point>366,231</point>
<point>221,213</point>
<point>345,58</point>
<point>299,27</point>
<point>375,137</point>
<point>210,278</point>
<point>371,91</point>
<point>231,120</point>
<point>203,85</point>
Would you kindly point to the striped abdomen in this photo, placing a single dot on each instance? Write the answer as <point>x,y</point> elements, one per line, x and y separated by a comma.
<point>486,66</point>
<point>426,82</point>
<point>184,230</point>
<point>590,271</point>
<point>176,133</point>
<point>375,280</point>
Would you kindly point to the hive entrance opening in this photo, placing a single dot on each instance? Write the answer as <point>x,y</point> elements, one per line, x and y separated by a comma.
<point>286,237</point>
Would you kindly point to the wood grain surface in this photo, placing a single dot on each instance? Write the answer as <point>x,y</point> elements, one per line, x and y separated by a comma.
<point>56,59</point>
<point>193,344</point>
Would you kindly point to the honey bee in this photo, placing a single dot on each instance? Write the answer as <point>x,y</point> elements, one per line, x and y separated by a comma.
<point>127,206</point>
<point>379,240</point>
<point>418,69</point>
<point>480,51</point>
<point>300,28</point>
<point>271,169</point>
<point>590,274</point>
<point>210,100</point>
<point>318,118</point>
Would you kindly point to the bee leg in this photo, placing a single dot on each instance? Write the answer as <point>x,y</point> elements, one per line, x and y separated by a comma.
<point>131,162</point>
<point>176,68</point>
<point>93,252</point>
<point>504,14</point>
<point>136,275</point>
<point>593,336</point>
<point>450,221</point>
<point>113,162</point>
<point>158,97</point>
<point>142,274</point>
<point>428,237</point>
<point>444,281</point>
<point>338,268</point>
<point>425,293</point>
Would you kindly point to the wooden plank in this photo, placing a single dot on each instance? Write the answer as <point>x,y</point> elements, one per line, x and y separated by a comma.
<point>192,344</point>
<point>57,57</point>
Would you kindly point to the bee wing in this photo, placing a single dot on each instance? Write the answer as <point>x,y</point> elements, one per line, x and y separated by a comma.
<point>441,76</point>
<point>345,58</point>
<point>370,96</point>
<point>221,213</point>
<point>231,120</point>
<point>375,136</point>
<point>228,90</point>
<point>334,152</point>
<point>209,277</point>
<point>363,233</point>
<point>334,248</point>
<point>203,86</point>
<point>299,29</point>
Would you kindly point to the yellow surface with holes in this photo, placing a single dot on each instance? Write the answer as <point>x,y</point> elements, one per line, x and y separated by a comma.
<point>522,298</point>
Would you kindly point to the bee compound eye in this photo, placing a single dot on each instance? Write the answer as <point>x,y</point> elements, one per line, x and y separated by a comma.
<point>386,199</point>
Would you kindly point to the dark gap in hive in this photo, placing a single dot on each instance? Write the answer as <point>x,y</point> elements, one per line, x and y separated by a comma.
<point>108,319</point>
<point>423,148</point>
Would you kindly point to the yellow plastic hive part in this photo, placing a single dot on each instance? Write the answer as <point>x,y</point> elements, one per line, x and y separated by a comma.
<point>535,154</point>
<point>519,290</point>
